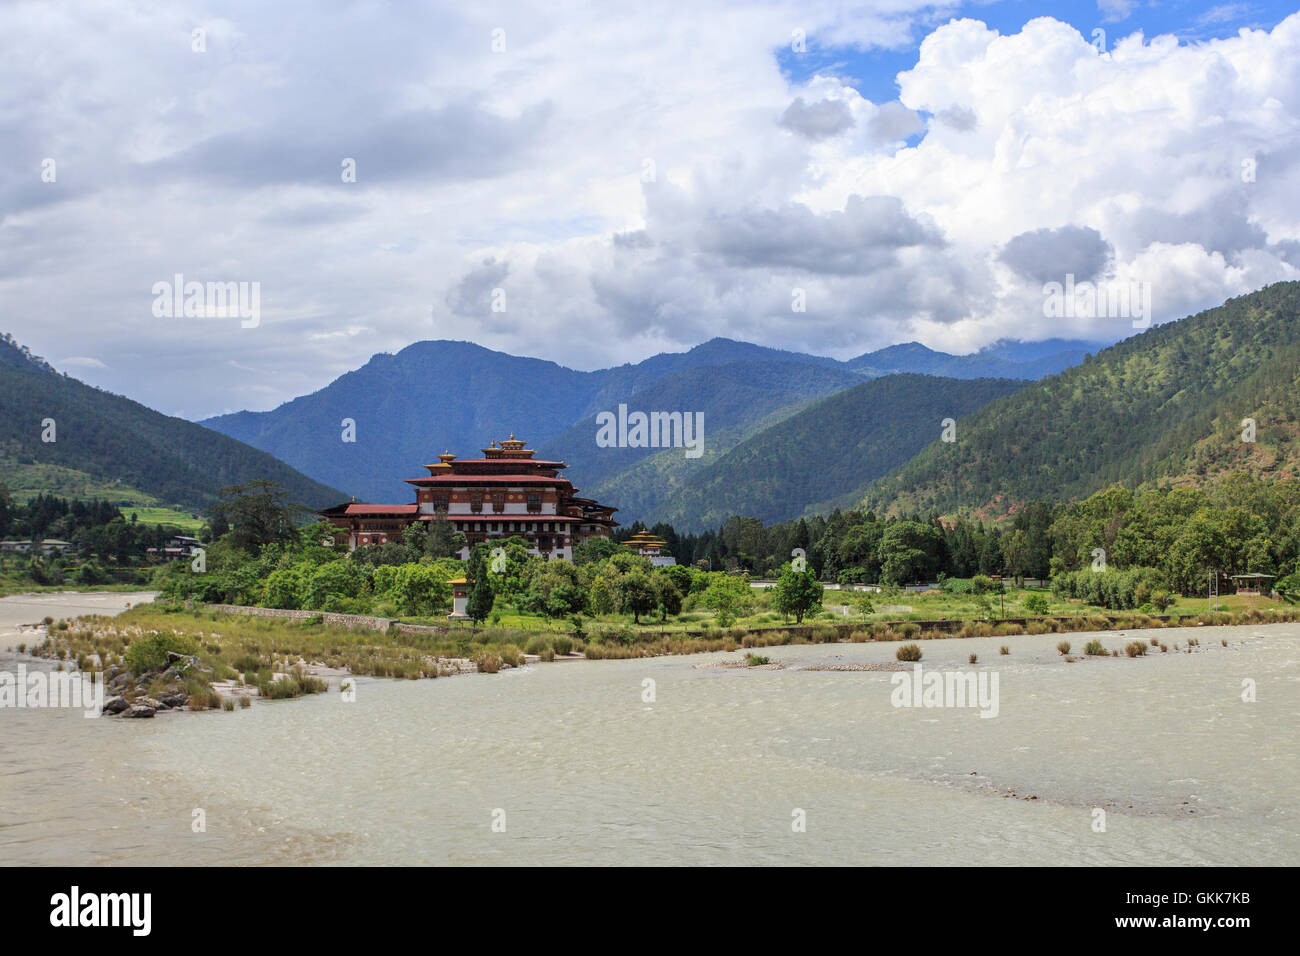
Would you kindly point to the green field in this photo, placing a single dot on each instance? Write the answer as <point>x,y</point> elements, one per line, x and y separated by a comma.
<point>26,481</point>
<point>898,606</point>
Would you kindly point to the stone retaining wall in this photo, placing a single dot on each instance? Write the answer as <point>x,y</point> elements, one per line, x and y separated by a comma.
<point>353,622</point>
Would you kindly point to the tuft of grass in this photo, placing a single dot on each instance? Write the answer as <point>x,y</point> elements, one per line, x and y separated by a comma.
<point>972,659</point>
<point>754,660</point>
<point>1094,648</point>
<point>908,652</point>
<point>1063,647</point>
<point>1136,649</point>
<point>1004,649</point>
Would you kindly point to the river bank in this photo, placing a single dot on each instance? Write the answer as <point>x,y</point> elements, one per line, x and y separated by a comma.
<point>164,658</point>
<point>658,760</point>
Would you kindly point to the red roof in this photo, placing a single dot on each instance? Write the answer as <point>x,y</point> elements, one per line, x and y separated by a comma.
<point>496,461</point>
<point>506,516</point>
<point>491,479</point>
<point>381,509</point>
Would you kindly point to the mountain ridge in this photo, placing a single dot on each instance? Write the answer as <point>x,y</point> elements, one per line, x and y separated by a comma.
<point>49,418</point>
<point>445,394</point>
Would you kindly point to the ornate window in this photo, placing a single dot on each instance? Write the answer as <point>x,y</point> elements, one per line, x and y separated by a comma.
<point>534,502</point>
<point>476,502</point>
<point>498,501</point>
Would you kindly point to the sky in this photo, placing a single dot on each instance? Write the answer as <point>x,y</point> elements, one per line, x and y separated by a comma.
<point>593,183</point>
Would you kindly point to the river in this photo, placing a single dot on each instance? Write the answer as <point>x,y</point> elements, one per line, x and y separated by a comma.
<point>571,763</point>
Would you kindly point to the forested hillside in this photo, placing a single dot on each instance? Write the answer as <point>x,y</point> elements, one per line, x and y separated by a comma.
<point>1167,405</point>
<point>51,419</point>
<point>826,454</point>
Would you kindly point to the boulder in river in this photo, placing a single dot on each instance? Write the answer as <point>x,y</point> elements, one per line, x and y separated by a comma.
<point>115,705</point>
<point>139,710</point>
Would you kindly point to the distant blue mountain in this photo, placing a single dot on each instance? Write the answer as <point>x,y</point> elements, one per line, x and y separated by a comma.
<point>435,395</point>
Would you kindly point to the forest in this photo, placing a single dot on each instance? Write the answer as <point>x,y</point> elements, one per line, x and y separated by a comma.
<point>1238,524</point>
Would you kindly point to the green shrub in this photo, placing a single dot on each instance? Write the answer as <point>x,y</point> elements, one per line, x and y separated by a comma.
<point>1094,649</point>
<point>1036,604</point>
<point>148,654</point>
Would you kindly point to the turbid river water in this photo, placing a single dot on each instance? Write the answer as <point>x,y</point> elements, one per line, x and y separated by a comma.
<point>574,765</point>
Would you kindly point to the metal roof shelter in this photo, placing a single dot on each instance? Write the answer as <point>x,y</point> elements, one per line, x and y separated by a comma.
<point>1250,583</point>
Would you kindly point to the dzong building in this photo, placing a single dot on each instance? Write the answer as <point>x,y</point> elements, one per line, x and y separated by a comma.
<point>506,493</point>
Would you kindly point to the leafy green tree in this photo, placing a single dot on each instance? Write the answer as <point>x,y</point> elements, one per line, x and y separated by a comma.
<point>909,551</point>
<point>602,596</point>
<point>1036,604</point>
<point>442,540</point>
<point>340,578</point>
<point>668,597</point>
<point>554,590</point>
<point>636,594</point>
<point>862,600</point>
<point>797,593</point>
<point>727,595</point>
<point>419,589</point>
<point>481,594</point>
<point>258,513</point>
<point>594,550</point>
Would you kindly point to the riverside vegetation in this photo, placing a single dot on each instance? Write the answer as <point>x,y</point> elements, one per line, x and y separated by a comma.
<point>166,655</point>
<point>611,603</point>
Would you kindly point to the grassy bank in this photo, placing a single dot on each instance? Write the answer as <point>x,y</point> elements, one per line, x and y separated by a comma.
<point>276,658</point>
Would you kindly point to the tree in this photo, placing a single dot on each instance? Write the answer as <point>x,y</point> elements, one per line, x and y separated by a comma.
<point>667,594</point>
<point>864,603</point>
<point>481,595</point>
<point>419,589</point>
<point>636,593</point>
<point>554,590</point>
<point>284,588</point>
<point>442,540</point>
<point>1036,604</point>
<point>727,595</point>
<point>797,593</point>
<point>908,551</point>
<point>509,577</point>
<point>594,550</point>
<point>1015,553</point>
<point>258,513</point>
<point>341,578</point>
